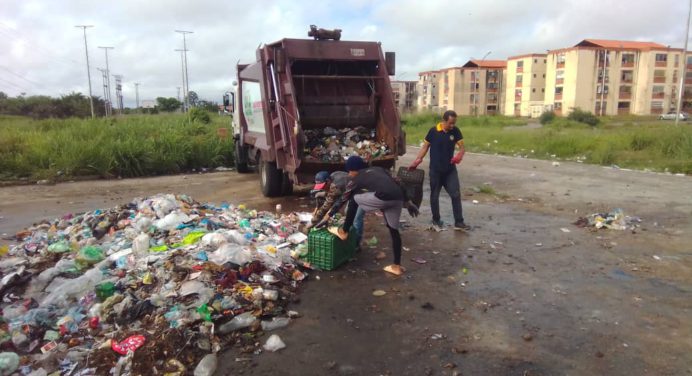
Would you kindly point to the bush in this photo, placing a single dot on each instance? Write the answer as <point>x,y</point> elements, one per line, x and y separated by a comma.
<point>199,115</point>
<point>582,116</point>
<point>547,117</point>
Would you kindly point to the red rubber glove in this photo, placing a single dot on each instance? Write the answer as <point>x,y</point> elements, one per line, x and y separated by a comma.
<point>415,164</point>
<point>456,159</point>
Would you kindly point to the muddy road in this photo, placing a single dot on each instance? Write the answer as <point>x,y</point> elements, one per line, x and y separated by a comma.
<point>517,295</point>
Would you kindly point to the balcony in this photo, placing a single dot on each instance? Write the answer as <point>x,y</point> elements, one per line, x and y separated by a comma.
<point>560,65</point>
<point>625,95</point>
<point>491,89</point>
<point>520,69</point>
<point>661,64</point>
<point>688,81</point>
<point>656,111</point>
<point>626,81</point>
<point>624,111</point>
<point>628,64</point>
<point>558,96</point>
<point>519,84</point>
<point>559,81</point>
<point>689,66</point>
<point>517,98</point>
<point>659,80</point>
<point>658,95</point>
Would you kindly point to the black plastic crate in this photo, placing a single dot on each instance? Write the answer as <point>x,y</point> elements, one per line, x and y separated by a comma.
<point>412,181</point>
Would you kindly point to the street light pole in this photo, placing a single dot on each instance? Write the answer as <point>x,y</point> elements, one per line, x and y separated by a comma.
<point>186,90</point>
<point>683,69</point>
<point>86,52</point>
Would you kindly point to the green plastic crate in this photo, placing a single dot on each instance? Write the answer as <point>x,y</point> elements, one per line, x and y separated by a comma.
<point>327,252</point>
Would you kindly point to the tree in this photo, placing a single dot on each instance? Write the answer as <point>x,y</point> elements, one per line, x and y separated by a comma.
<point>208,105</point>
<point>167,104</point>
<point>193,98</point>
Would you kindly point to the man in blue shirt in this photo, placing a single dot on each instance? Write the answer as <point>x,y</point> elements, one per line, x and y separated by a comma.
<point>442,141</point>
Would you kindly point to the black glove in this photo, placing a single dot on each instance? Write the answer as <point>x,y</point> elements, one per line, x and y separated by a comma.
<point>412,209</point>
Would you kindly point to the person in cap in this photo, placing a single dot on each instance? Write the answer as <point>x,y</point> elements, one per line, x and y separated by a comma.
<point>442,140</point>
<point>370,189</point>
<point>331,187</point>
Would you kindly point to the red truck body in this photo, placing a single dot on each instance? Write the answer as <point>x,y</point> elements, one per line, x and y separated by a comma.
<point>298,85</point>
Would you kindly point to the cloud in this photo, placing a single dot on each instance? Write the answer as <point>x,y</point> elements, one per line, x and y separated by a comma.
<point>45,53</point>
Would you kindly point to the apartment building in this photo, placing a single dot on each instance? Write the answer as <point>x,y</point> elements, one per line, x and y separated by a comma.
<point>525,88</point>
<point>427,90</point>
<point>482,87</point>
<point>404,95</point>
<point>609,77</point>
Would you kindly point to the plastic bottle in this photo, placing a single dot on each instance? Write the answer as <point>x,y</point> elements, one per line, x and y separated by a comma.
<point>140,246</point>
<point>241,321</point>
<point>206,366</point>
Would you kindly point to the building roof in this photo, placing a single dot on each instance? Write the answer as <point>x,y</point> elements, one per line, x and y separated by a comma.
<point>525,56</point>
<point>620,44</point>
<point>486,64</point>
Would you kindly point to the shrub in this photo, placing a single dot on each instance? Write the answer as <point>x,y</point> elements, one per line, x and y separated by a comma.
<point>547,117</point>
<point>199,115</point>
<point>582,116</point>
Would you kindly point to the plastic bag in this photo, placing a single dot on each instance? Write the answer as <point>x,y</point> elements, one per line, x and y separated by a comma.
<point>61,246</point>
<point>235,236</point>
<point>274,343</point>
<point>241,321</point>
<point>88,256</point>
<point>130,344</point>
<point>9,362</point>
<point>214,240</point>
<point>140,246</point>
<point>163,205</point>
<point>276,323</point>
<point>231,253</point>
<point>171,221</point>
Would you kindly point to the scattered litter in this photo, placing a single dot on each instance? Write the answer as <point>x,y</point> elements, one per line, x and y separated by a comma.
<point>475,201</point>
<point>274,343</point>
<point>109,284</point>
<point>380,256</point>
<point>372,242</point>
<point>335,145</point>
<point>565,230</point>
<point>406,249</point>
<point>539,244</point>
<point>379,293</point>
<point>614,220</point>
<point>428,306</point>
<point>527,337</point>
<point>419,260</point>
<point>556,164</point>
<point>657,258</point>
<point>465,271</point>
<point>436,336</point>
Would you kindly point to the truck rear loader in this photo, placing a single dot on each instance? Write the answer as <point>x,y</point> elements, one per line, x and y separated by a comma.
<point>300,86</point>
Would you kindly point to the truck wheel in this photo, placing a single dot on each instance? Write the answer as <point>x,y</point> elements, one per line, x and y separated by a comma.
<point>270,179</point>
<point>286,185</point>
<point>241,158</point>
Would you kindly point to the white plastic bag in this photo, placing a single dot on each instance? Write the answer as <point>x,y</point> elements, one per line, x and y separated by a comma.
<point>274,343</point>
<point>231,253</point>
<point>171,221</point>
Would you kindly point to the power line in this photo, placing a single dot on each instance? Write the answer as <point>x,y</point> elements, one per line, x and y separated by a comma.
<point>86,52</point>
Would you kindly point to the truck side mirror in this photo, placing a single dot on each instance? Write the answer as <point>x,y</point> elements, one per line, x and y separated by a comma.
<point>226,100</point>
<point>390,62</point>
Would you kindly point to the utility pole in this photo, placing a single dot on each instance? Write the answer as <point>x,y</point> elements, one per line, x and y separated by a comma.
<point>86,52</point>
<point>182,70</point>
<point>137,95</point>
<point>178,93</point>
<point>683,69</point>
<point>119,92</point>
<point>105,86</point>
<point>109,109</point>
<point>187,82</point>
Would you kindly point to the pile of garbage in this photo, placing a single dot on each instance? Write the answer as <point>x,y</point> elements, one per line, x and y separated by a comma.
<point>336,145</point>
<point>614,220</point>
<point>157,286</point>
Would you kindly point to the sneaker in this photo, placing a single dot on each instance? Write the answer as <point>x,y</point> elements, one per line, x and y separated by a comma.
<point>438,223</point>
<point>461,226</point>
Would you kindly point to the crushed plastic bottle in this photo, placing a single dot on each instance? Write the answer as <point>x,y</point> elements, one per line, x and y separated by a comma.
<point>207,366</point>
<point>241,321</point>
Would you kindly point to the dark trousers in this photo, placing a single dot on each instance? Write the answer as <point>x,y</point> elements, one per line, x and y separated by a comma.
<point>450,181</point>
<point>393,231</point>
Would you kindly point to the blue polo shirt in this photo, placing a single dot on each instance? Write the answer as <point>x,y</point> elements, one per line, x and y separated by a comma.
<point>442,145</point>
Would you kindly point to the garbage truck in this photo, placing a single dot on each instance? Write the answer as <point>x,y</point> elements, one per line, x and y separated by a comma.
<point>299,89</point>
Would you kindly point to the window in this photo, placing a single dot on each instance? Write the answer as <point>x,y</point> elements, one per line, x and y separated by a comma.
<point>689,59</point>
<point>534,75</point>
<point>658,89</point>
<point>533,90</point>
<point>627,59</point>
<point>543,75</point>
<point>520,79</point>
<point>627,76</point>
<point>688,75</point>
<point>517,107</point>
<point>472,98</point>
<point>604,88</point>
<point>520,64</point>
<point>559,74</point>
<point>543,90</point>
<point>517,93</point>
<point>561,58</point>
<point>558,106</point>
<point>545,61</point>
<point>661,58</point>
<point>659,76</point>
<point>599,105</point>
<point>600,75</point>
<point>492,97</point>
<point>492,85</point>
<point>656,105</point>
<point>623,105</point>
<point>677,60</point>
<point>558,90</point>
<point>535,60</point>
<point>626,89</point>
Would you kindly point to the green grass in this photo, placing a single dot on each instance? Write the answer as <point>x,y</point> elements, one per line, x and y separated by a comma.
<point>127,146</point>
<point>631,142</point>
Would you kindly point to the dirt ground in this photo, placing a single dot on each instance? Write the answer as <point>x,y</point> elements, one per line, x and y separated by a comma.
<point>514,296</point>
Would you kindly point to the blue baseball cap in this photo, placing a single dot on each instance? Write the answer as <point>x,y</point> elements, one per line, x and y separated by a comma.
<point>355,163</point>
<point>321,179</point>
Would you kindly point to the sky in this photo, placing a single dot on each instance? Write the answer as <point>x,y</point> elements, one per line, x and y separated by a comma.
<point>43,53</point>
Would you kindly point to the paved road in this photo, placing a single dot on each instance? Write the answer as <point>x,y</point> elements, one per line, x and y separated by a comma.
<point>515,296</point>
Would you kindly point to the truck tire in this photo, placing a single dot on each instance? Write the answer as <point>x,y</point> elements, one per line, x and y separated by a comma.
<point>271,179</point>
<point>240,155</point>
<point>286,185</point>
